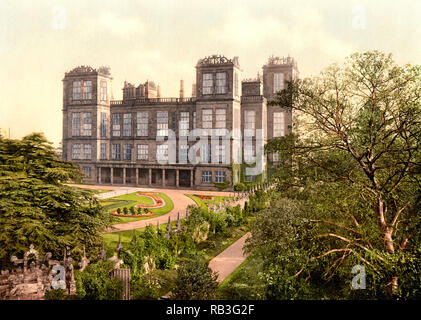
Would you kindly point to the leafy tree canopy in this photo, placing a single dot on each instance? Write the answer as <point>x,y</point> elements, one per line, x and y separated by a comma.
<point>37,208</point>
<point>354,161</point>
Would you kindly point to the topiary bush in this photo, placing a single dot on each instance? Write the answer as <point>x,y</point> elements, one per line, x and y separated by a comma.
<point>239,187</point>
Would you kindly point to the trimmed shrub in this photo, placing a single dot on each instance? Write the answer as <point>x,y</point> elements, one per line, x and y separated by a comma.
<point>239,187</point>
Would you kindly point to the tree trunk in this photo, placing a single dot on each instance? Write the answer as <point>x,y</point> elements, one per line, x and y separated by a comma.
<point>388,241</point>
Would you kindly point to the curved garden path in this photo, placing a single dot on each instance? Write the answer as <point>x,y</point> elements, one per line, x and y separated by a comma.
<point>230,259</point>
<point>176,195</point>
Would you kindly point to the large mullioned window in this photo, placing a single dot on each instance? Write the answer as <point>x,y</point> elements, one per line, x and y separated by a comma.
<point>207,176</point>
<point>207,84</point>
<point>116,125</point>
<point>249,122</point>
<point>162,152</point>
<point>127,125</point>
<point>184,149</point>
<point>162,123</point>
<point>103,125</point>
<point>206,121</point>
<point>87,90</point>
<point>87,151</point>
<point>76,151</point>
<point>142,124</point>
<point>249,152</point>
<point>103,151</point>
<point>103,91</point>
<point>220,121</point>
<point>82,87</point>
<point>76,124</point>
<point>115,152</point>
<point>87,124</point>
<point>77,90</point>
<point>221,82</point>
<point>142,152</point>
<point>278,82</point>
<point>128,151</point>
<point>278,124</point>
<point>184,124</point>
<point>220,153</point>
<point>219,176</point>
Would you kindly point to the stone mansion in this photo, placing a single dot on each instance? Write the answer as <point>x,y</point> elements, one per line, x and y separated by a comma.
<point>123,142</point>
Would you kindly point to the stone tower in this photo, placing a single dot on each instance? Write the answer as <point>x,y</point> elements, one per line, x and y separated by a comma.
<point>87,93</point>
<point>276,73</point>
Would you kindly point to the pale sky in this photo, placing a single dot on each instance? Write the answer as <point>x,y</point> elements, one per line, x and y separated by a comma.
<point>162,41</point>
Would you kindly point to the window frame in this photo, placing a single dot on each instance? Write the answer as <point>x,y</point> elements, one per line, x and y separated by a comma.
<point>127,124</point>
<point>77,90</point>
<point>221,84</point>
<point>116,151</point>
<point>103,91</point>
<point>220,176</point>
<point>206,176</point>
<point>141,154</point>
<point>161,124</point>
<point>207,84</point>
<point>142,124</point>
<point>87,94</point>
<point>79,148</point>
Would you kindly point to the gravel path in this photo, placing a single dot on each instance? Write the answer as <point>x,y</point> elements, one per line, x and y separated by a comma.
<point>230,259</point>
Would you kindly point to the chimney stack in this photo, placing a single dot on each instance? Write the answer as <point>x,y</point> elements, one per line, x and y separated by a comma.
<point>181,89</point>
<point>158,93</point>
<point>193,90</point>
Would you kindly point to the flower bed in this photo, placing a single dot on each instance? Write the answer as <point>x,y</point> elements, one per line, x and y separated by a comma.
<point>157,200</point>
<point>202,197</point>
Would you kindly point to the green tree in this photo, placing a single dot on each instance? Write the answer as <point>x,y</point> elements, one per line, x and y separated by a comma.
<point>195,281</point>
<point>37,208</point>
<point>95,283</point>
<point>355,159</point>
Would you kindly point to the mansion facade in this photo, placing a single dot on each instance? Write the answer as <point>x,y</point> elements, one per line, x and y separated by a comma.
<point>126,142</point>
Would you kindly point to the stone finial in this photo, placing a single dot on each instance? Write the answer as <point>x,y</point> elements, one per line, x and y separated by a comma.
<point>169,228</point>
<point>84,262</point>
<point>102,254</point>
<point>119,245</point>
<point>134,238</point>
<point>117,262</point>
<point>178,222</point>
